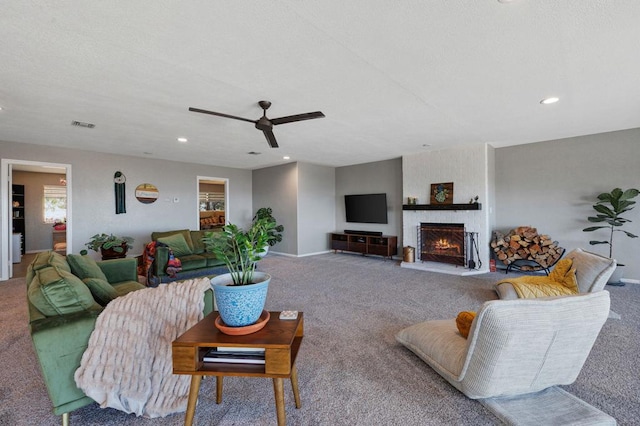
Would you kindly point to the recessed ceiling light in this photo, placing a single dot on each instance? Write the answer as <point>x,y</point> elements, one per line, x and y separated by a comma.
<point>286,157</point>
<point>551,100</point>
<point>425,145</point>
<point>182,140</point>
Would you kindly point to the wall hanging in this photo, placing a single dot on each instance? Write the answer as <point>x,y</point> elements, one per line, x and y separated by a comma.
<point>118,182</point>
<point>146,193</point>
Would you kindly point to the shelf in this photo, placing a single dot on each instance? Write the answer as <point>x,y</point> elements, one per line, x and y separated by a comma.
<point>474,206</point>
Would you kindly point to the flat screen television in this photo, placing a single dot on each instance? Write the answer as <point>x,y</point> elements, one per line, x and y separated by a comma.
<point>366,208</point>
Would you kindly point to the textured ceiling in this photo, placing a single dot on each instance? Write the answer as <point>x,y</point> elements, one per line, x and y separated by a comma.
<point>391,77</point>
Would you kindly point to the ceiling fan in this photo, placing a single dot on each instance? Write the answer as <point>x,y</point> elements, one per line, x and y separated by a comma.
<point>265,124</point>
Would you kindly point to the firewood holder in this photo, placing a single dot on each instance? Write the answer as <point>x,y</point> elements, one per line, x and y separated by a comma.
<point>528,265</point>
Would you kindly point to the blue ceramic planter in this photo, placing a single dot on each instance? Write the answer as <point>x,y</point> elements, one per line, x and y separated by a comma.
<point>240,305</point>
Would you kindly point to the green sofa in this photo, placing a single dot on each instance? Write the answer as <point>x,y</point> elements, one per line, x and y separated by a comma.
<point>187,246</point>
<point>65,295</point>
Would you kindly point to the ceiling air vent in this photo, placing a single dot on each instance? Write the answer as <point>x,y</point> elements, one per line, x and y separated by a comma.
<point>83,124</point>
<point>254,153</point>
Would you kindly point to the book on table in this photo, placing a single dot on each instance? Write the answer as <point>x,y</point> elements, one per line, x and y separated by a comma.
<point>242,356</point>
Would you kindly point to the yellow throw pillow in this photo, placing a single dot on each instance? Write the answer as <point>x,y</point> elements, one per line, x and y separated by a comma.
<point>463,322</point>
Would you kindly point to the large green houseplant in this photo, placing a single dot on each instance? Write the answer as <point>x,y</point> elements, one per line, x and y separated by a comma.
<point>274,232</point>
<point>241,294</point>
<point>609,208</point>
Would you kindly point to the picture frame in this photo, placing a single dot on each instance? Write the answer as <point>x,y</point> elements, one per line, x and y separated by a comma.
<point>441,193</point>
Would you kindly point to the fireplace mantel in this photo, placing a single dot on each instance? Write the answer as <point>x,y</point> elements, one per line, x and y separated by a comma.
<point>473,206</point>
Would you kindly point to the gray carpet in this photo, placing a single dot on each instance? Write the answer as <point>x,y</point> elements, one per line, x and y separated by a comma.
<point>351,370</point>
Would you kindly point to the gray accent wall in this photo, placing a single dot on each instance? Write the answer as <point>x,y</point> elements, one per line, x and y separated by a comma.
<point>371,178</point>
<point>552,186</point>
<point>277,187</point>
<point>301,196</point>
<point>316,208</point>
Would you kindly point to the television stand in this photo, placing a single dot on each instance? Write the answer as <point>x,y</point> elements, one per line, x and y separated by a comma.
<point>380,245</point>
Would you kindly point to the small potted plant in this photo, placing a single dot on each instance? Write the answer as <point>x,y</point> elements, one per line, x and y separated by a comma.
<point>240,295</point>
<point>610,207</point>
<point>109,245</point>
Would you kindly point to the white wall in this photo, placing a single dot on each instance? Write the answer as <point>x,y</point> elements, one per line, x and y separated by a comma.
<point>552,186</point>
<point>469,170</point>
<point>93,192</point>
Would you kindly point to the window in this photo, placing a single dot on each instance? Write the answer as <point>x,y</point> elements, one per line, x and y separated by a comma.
<point>55,203</point>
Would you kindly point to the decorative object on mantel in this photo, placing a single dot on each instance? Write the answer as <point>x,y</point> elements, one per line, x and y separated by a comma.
<point>412,201</point>
<point>146,193</point>
<point>442,193</point>
<point>473,200</point>
<point>118,183</point>
<point>610,206</point>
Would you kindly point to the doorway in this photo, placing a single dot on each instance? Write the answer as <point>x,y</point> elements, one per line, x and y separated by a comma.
<point>42,193</point>
<point>213,203</point>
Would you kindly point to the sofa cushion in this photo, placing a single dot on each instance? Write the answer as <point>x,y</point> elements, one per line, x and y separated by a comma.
<point>212,260</point>
<point>185,233</point>
<point>438,343</point>
<point>196,239</point>
<point>54,291</point>
<point>49,258</point>
<point>102,291</point>
<point>126,287</point>
<point>85,267</point>
<point>193,261</point>
<point>178,244</point>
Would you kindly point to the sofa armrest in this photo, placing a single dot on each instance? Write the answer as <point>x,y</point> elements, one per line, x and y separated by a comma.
<point>117,270</point>
<point>160,263</point>
<point>59,343</point>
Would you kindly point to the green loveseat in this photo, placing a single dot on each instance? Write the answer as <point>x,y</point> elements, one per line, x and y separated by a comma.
<point>187,246</point>
<point>65,295</point>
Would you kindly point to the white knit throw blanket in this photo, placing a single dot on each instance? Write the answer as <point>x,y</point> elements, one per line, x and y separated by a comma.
<point>128,365</point>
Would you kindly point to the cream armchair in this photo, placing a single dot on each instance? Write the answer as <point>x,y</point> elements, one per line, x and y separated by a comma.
<point>514,347</point>
<point>592,273</point>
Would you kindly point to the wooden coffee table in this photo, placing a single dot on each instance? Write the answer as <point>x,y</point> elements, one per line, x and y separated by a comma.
<point>280,338</point>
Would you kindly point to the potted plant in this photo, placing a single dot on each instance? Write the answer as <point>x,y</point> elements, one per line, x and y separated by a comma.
<point>241,293</point>
<point>274,232</point>
<point>610,206</point>
<point>109,245</point>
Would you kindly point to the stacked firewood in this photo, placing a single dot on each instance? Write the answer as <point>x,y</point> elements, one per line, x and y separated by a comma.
<point>525,243</point>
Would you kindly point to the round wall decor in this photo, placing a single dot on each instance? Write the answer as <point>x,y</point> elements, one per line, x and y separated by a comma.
<point>146,193</point>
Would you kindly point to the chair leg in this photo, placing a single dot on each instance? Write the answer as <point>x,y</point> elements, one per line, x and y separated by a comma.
<point>65,419</point>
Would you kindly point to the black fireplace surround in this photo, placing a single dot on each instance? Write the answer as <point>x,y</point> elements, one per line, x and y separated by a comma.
<point>442,242</point>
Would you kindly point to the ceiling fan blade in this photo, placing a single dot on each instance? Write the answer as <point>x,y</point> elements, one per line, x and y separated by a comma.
<point>204,111</point>
<point>271,139</point>
<point>297,117</point>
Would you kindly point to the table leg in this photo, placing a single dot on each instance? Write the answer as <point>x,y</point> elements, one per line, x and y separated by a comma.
<point>193,398</point>
<point>294,385</point>
<point>278,390</point>
<point>219,389</point>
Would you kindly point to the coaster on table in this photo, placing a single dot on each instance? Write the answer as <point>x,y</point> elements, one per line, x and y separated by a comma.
<point>288,315</point>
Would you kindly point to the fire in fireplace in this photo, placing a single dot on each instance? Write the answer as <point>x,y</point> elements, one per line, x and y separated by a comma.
<point>442,242</point>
